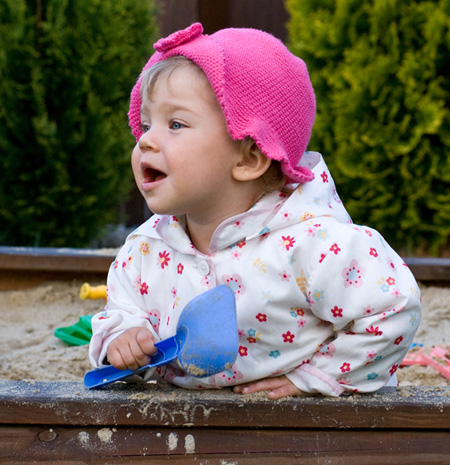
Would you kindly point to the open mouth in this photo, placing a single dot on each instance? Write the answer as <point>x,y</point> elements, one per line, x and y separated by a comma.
<point>152,175</point>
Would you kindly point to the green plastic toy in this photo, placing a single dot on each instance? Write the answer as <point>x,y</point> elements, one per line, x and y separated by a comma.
<point>78,334</point>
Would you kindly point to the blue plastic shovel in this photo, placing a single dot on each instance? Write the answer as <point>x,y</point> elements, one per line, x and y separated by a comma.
<point>205,343</point>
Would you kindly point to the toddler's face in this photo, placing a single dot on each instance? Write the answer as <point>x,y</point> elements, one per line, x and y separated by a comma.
<point>183,162</point>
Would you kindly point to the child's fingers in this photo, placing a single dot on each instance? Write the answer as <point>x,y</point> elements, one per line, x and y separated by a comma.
<point>146,342</point>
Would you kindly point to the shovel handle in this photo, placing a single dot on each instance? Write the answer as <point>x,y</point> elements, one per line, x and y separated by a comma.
<point>167,352</point>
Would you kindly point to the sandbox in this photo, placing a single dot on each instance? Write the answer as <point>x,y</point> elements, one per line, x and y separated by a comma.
<point>47,416</point>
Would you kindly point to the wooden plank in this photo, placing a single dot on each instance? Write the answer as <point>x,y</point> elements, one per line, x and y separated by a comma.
<point>430,269</point>
<point>68,443</point>
<point>120,404</point>
<point>56,260</point>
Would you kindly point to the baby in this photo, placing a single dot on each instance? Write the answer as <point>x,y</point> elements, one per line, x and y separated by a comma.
<point>222,123</point>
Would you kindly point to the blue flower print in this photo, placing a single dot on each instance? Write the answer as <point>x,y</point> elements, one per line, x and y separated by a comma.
<point>322,234</point>
<point>266,295</point>
<point>372,376</point>
<point>263,231</point>
<point>275,354</point>
<point>385,288</point>
<point>291,259</point>
<point>318,295</point>
<point>413,321</point>
<point>251,332</point>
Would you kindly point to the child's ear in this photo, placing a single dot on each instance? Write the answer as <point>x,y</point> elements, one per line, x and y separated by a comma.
<point>252,165</point>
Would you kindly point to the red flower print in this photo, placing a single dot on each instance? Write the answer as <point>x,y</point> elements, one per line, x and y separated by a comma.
<point>398,340</point>
<point>261,317</point>
<point>127,262</point>
<point>243,351</point>
<point>322,256</point>
<point>324,177</point>
<point>345,367</point>
<point>288,337</point>
<point>241,244</point>
<point>287,242</point>
<point>393,369</point>
<point>390,281</point>
<point>251,340</point>
<point>180,268</point>
<point>336,311</point>
<point>144,288</point>
<point>369,233</point>
<point>335,248</point>
<point>164,258</point>
<point>116,264</point>
<point>374,330</point>
<point>298,311</point>
<point>373,252</point>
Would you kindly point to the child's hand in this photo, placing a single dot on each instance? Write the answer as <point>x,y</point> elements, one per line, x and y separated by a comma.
<point>279,387</point>
<point>132,349</point>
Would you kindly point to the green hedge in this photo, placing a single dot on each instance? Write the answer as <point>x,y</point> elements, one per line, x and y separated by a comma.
<point>381,72</point>
<point>66,71</point>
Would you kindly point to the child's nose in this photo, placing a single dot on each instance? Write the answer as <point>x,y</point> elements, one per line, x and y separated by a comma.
<point>148,141</point>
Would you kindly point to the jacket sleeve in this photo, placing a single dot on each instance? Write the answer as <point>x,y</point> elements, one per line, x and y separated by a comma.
<point>125,307</point>
<point>362,287</point>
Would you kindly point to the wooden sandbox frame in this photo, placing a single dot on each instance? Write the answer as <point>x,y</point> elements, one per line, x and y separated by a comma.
<point>57,422</point>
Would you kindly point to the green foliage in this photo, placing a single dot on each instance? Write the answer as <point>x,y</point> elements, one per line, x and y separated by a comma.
<point>66,71</point>
<point>381,72</point>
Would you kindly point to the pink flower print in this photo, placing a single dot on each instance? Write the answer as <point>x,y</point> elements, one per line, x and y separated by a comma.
<point>371,354</point>
<point>301,323</point>
<point>234,283</point>
<point>243,351</point>
<point>180,268</point>
<point>326,350</point>
<point>205,281</point>
<point>238,224</point>
<point>324,177</point>
<point>261,317</point>
<point>288,337</point>
<point>164,258</point>
<point>116,264</point>
<point>398,340</point>
<point>390,263</point>
<point>390,281</point>
<point>336,311</point>
<point>287,242</point>
<point>374,330</point>
<point>144,248</point>
<point>342,380</point>
<point>156,222</point>
<point>373,252</point>
<point>235,254</point>
<point>230,376</point>
<point>368,310</point>
<point>353,275</point>
<point>154,317</point>
<point>396,292</point>
<point>174,292</point>
<point>335,248</point>
<point>241,333</point>
<point>368,232</point>
<point>285,215</point>
<point>285,276</point>
<point>345,367</point>
<point>310,231</point>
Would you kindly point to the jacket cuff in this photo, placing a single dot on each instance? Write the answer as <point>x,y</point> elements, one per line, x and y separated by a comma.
<point>312,380</point>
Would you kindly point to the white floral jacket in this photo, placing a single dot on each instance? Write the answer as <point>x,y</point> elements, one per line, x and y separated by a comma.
<point>320,299</point>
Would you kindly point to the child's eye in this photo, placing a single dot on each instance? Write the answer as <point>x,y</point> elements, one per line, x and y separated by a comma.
<point>176,125</point>
<point>145,127</point>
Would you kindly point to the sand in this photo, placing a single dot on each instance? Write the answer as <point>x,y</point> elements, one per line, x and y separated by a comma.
<point>30,351</point>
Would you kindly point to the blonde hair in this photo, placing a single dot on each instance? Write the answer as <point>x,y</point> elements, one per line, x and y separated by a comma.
<point>273,179</point>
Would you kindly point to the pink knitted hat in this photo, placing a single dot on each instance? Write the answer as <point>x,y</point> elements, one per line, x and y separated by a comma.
<point>264,90</point>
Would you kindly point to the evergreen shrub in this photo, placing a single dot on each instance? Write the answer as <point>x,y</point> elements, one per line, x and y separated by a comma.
<point>66,71</point>
<point>381,72</point>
